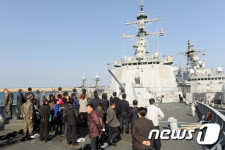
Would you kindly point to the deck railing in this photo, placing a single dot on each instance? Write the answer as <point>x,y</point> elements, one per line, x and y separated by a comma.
<point>215,117</point>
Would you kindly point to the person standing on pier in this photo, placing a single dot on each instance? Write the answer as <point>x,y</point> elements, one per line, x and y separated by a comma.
<point>113,123</point>
<point>96,101</point>
<point>20,101</point>
<point>124,111</point>
<point>60,92</point>
<point>27,111</point>
<point>42,98</point>
<point>29,93</point>
<point>154,113</point>
<point>37,96</point>
<point>8,102</point>
<point>94,127</point>
<point>105,105</point>
<point>83,100</point>
<point>140,131</point>
<point>71,117</point>
<point>116,100</point>
<point>44,122</point>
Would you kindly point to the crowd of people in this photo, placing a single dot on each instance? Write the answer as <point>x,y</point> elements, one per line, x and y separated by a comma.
<point>63,113</point>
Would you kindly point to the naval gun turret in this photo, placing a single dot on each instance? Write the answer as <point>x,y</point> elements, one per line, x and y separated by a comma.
<point>145,75</point>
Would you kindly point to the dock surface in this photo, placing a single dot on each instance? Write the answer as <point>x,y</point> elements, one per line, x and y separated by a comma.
<point>178,110</point>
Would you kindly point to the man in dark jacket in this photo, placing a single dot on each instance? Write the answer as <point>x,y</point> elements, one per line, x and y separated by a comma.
<point>113,123</point>
<point>28,93</point>
<point>96,101</point>
<point>44,122</point>
<point>70,115</point>
<point>140,131</point>
<point>105,105</point>
<point>116,100</point>
<point>124,110</point>
<point>20,101</point>
<point>133,113</point>
<point>94,127</point>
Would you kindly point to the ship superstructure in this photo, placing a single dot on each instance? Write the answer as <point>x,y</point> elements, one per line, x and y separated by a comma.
<point>145,75</point>
<point>199,82</point>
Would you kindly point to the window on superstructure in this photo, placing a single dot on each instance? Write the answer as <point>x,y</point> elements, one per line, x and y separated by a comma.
<point>149,62</point>
<point>199,79</point>
<point>215,78</point>
<point>145,63</point>
<point>208,78</point>
<point>202,79</point>
<point>223,78</point>
<point>219,78</point>
<point>205,78</point>
<point>157,62</point>
<point>212,78</point>
<point>139,63</point>
<point>134,63</point>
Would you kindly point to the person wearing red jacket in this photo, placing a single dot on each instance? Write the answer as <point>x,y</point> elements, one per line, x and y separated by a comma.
<point>94,127</point>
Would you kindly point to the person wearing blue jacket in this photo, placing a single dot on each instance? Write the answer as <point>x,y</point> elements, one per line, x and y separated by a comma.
<point>57,116</point>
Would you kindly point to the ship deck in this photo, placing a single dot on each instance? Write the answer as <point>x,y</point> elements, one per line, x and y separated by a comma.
<point>178,110</point>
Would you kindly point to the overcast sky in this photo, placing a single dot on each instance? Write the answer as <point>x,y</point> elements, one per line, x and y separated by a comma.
<point>49,43</point>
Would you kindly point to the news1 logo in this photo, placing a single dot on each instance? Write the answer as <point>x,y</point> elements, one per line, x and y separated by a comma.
<point>210,136</point>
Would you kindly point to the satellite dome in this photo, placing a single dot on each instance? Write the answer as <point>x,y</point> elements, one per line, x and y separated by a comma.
<point>219,69</point>
<point>196,58</point>
<point>139,56</point>
<point>156,55</point>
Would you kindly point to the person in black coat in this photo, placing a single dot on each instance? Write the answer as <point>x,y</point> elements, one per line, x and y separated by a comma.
<point>116,100</point>
<point>134,112</point>
<point>44,121</point>
<point>20,101</point>
<point>28,93</point>
<point>105,105</point>
<point>70,114</point>
<point>96,101</point>
<point>124,111</point>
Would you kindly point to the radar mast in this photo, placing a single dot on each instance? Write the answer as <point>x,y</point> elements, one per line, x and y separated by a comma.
<point>140,51</point>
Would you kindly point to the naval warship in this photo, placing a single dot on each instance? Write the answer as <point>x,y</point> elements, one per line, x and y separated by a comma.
<point>145,75</point>
<point>198,82</point>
